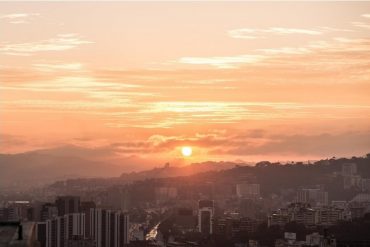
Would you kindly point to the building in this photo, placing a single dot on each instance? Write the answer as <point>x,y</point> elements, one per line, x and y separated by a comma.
<point>359,205</point>
<point>48,211</point>
<point>352,181</point>
<point>305,214</point>
<point>315,239</point>
<point>350,176</point>
<point>339,204</point>
<point>232,228</point>
<point>165,193</point>
<point>248,207</point>
<point>328,216</point>
<point>80,242</point>
<point>278,218</point>
<point>246,190</point>
<point>365,185</point>
<point>117,198</point>
<point>9,214</point>
<point>184,218</point>
<point>312,196</point>
<point>85,209</point>
<point>205,216</point>
<point>58,231</point>
<point>67,205</point>
<point>109,228</point>
<point>349,169</point>
<point>75,226</point>
<point>15,211</point>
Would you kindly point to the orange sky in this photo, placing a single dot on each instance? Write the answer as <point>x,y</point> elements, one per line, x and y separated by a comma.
<point>239,80</point>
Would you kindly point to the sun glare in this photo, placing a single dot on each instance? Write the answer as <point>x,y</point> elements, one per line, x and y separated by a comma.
<point>186,151</point>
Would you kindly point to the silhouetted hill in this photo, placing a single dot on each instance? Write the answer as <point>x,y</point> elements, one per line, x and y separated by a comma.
<point>175,171</point>
<point>34,169</point>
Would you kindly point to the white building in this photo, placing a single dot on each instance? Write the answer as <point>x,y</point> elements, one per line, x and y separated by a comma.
<point>109,228</point>
<point>205,216</point>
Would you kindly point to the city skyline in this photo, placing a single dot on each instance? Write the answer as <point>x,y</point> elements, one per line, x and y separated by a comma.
<point>233,81</point>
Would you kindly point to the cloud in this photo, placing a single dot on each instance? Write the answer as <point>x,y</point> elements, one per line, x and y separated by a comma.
<point>18,18</point>
<point>361,24</point>
<point>11,140</point>
<point>252,33</point>
<point>336,55</point>
<point>222,62</point>
<point>366,15</point>
<point>13,76</point>
<point>219,143</point>
<point>322,145</point>
<point>61,43</point>
<point>286,50</point>
<point>253,142</point>
<point>331,49</point>
<point>47,67</point>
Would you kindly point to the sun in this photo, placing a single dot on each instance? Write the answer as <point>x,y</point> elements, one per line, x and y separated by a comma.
<point>186,151</point>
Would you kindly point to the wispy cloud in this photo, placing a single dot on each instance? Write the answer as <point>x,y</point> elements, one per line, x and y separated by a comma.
<point>286,50</point>
<point>252,33</point>
<point>47,67</point>
<point>61,43</point>
<point>222,62</point>
<point>251,142</point>
<point>361,24</point>
<point>18,18</point>
<point>366,15</point>
<point>321,144</point>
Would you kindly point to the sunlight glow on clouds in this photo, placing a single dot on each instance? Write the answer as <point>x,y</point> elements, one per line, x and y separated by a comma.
<point>250,33</point>
<point>18,18</point>
<point>222,62</point>
<point>61,43</point>
<point>58,66</point>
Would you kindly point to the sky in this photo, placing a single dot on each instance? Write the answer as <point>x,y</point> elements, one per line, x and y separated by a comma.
<point>233,80</point>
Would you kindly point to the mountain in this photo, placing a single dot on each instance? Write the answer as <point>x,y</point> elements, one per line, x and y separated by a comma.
<point>31,169</point>
<point>176,171</point>
<point>40,167</point>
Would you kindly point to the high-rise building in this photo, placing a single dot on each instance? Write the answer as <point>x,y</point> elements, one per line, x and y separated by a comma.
<point>9,214</point>
<point>85,209</point>
<point>109,228</point>
<point>205,216</point>
<point>56,232</point>
<point>41,233</point>
<point>48,211</point>
<point>75,225</point>
<point>68,205</point>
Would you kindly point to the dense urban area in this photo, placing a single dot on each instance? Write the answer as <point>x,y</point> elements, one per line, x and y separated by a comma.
<point>322,203</point>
